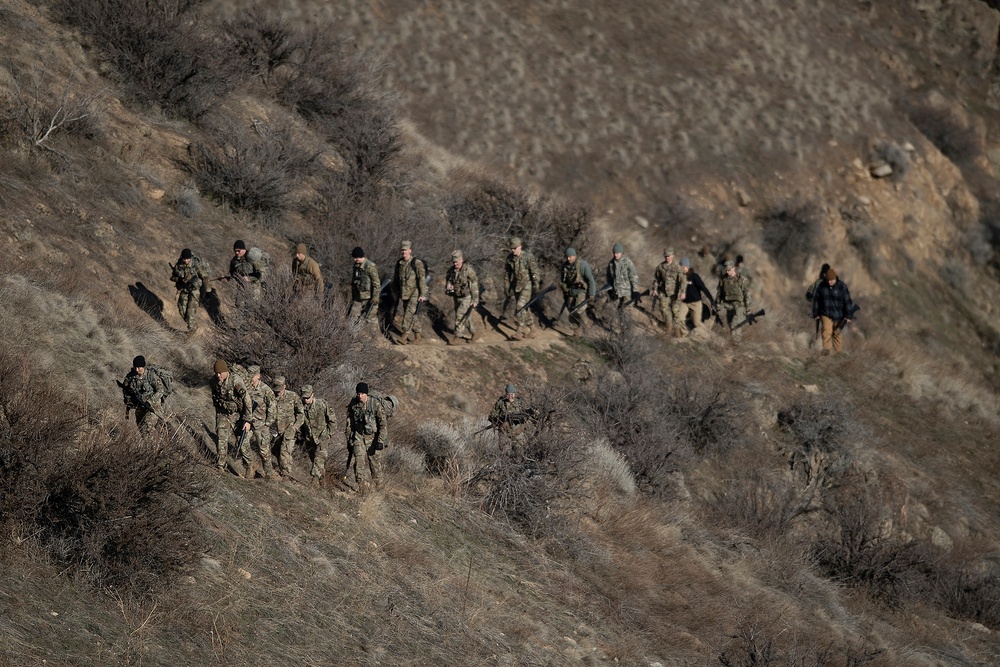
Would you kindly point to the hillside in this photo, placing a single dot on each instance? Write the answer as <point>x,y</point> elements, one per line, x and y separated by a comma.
<point>714,500</point>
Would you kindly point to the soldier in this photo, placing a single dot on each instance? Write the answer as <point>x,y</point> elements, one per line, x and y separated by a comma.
<point>365,287</point>
<point>832,307</point>
<point>264,404</point>
<point>691,301</point>
<point>668,289</point>
<point>742,270</point>
<point>523,279</point>
<point>306,273</point>
<point>508,411</point>
<point>576,280</point>
<point>811,292</point>
<point>409,282</point>
<point>733,295</point>
<point>233,410</point>
<point>367,435</point>
<point>145,393</point>
<point>319,424</point>
<point>189,277</point>
<point>248,272</point>
<point>288,417</point>
<point>463,287</point>
<point>622,277</point>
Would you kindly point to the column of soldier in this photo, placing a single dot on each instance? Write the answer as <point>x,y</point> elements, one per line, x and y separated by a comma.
<point>259,419</point>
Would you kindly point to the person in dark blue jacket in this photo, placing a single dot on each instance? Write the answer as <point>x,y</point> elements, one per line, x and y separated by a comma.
<point>832,307</point>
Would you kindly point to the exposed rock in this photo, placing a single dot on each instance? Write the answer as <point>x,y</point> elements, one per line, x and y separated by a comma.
<point>642,222</point>
<point>881,170</point>
<point>941,539</point>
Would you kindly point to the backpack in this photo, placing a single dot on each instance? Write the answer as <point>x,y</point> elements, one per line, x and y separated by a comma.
<point>240,371</point>
<point>260,260</point>
<point>389,404</point>
<point>165,376</point>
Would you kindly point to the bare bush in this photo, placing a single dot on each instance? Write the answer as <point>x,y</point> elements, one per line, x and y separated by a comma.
<point>791,233</point>
<point>824,433</point>
<point>302,338</point>
<point>262,41</point>
<point>966,583</point>
<point>254,169</point>
<point>443,446</point>
<point>762,505</point>
<point>862,233</point>
<point>761,642</point>
<point>954,136</point>
<point>40,109</point>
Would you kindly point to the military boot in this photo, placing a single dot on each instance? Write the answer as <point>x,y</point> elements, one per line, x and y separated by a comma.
<point>251,468</point>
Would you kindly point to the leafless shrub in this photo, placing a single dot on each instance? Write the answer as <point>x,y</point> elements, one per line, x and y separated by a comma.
<point>263,41</point>
<point>763,505</point>
<point>442,444</point>
<point>187,201</point>
<point>306,340</point>
<point>165,56</point>
<point>791,232</point>
<point>966,582</point>
<point>256,170</point>
<point>978,242</point>
<point>759,642</point>
<point>862,233</point>
<point>956,138</point>
<point>822,430</point>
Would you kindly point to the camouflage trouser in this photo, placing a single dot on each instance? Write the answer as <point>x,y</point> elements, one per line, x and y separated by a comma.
<point>319,460</point>
<point>670,310</point>
<point>735,313</point>
<point>187,306</point>
<point>524,318</point>
<point>259,443</point>
<point>357,311</point>
<point>286,450</point>
<point>464,324</point>
<point>364,459</point>
<point>146,420</point>
<point>227,432</point>
<point>410,321</point>
<point>577,320</point>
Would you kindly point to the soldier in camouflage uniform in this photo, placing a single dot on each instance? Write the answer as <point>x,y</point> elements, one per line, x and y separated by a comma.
<point>143,392</point>
<point>367,435</point>
<point>523,279</point>
<point>669,286</point>
<point>733,295</point>
<point>576,280</point>
<point>233,410</point>
<point>409,282</point>
<point>463,287</point>
<point>288,417</point>
<point>189,277</point>
<point>319,424</point>
<point>248,273</point>
<point>365,287</point>
<point>264,405</point>
<point>306,274</point>
<point>622,276</point>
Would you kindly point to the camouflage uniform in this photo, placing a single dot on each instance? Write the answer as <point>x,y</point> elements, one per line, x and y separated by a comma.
<point>366,436</point>
<point>669,285</point>
<point>319,425</point>
<point>463,285</point>
<point>733,296</point>
<point>139,391</point>
<point>523,279</point>
<point>233,408</point>
<point>365,286</point>
<point>264,405</point>
<point>623,278</point>
<point>189,278</point>
<point>288,416</point>
<point>248,273</point>
<point>409,282</point>
<point>577,283</point>
<point>306,274</point>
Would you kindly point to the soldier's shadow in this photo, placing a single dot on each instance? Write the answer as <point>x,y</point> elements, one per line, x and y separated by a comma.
<point>213,306</point>
<point>147,300</point>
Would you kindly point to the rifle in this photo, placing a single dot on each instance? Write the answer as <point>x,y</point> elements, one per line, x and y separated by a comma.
<point>635,299</point>
<point>751,319</point>
<point>850,315</point>
<point>375,298</point>
<point>534,299</point>
<point>581,306</point>
<point>243,438</point>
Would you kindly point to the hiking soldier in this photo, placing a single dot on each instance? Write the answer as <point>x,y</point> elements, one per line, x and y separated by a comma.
<point>305,273</point>
<point>576,280</point>
<point>691,303</point>
<point>249,273</point>
<point>366,437</point>
<point>317,431</point>
<point>811,292</point>
<point>669,287</point>
<point>233,411</point>
<point>409,282</point>
<point>189,277</point>
<point>365,287</point>
<point>288,417</point>
<point>523,279</point>
<point>462,285</point>
<point>832,307</point>
<point>733,295</point>
<point>622,277</point>
<point>259,443</point>
<point>144,392</point>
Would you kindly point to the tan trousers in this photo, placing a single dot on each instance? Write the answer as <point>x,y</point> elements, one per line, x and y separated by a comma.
<point>831,334</point>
